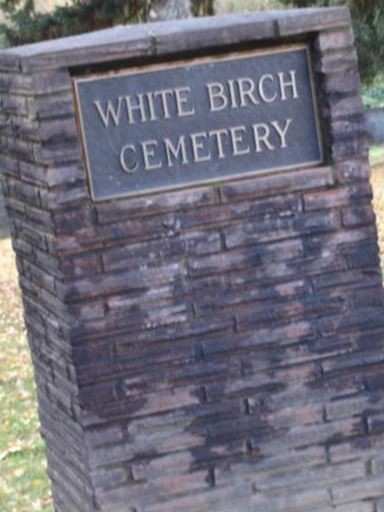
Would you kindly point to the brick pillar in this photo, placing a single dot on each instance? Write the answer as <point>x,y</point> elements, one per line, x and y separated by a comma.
<point>216,348</point>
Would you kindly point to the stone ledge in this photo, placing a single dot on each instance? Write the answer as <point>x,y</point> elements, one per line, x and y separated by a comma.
<point>161,38</point>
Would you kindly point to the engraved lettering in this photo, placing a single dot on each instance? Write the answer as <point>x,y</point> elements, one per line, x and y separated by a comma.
<point>237,133</point>
<point>151,107</point>
<point>148,148</point>
<point>182,99</point>
<point>135,107</point>
<point>217,99</point>
<point>198,147</point>
<point>187,123</point>
<point>128,159</point>
<point>164,95</point>
<point>110,112</point>
<point>246,88</point>
<point>219,136</point>
<point>173,152</point>
<point>232,93</point>
<point>288,83</point>
<point>261,134</point>
<point>282,132</point>
<point>262,90</point>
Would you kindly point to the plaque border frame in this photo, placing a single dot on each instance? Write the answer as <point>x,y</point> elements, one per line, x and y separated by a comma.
<point>193,61</point>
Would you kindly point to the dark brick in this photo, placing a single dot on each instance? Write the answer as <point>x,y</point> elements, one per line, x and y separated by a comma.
<point>291,181</point>
<point>344,106</point>
<point>334,40</point>
<point>15,83</point>
<point>358,216</point>
<point>336,197</point>
<point>280,229</point>
<point>334,62</point>
<point>310,308</point>
<point>352,170</point>
<point>363,256</point>
<point>343,82</point>
<point>155,204</point>
<point>354,146</point>
<point>372,296</point>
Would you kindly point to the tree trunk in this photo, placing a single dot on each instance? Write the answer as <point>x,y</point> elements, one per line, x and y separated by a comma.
<point>169,9</point>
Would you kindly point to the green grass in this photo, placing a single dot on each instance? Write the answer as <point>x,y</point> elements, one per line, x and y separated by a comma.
<point>24,485</point>
<point>373,95</point>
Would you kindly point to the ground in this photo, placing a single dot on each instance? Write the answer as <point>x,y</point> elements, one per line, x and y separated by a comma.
<point>24,486</point>
<point>377,180</point>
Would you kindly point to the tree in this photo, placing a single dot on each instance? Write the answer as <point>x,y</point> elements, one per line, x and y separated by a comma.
<point>25,25</point>
<point>169,9</point>
<point>368,18</point>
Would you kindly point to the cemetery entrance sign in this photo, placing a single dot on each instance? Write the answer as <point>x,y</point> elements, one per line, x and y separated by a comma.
<point>187,123</point>
<point>191,213</point>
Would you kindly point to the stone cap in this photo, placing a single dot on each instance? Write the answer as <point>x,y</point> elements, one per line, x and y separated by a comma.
<point>162,38</point>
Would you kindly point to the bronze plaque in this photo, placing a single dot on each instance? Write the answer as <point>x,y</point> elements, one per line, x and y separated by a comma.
<point>182,124</point>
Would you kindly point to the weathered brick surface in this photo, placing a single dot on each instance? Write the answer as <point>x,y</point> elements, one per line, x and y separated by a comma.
<point>217,348</point>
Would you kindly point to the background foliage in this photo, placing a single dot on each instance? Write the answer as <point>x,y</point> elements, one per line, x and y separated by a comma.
<point>25,23</point>
<point>368,17</point>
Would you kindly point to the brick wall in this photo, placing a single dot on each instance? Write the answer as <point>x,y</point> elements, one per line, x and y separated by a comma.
<point>217,348</point>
